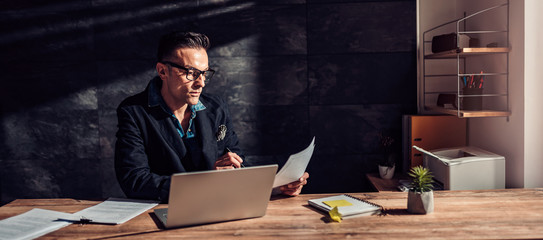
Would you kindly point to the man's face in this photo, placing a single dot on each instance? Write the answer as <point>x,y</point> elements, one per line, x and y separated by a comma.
<point>176,87</point>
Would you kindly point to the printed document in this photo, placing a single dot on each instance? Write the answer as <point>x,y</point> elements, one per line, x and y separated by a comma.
<point>295,166</point>
<point>113,211</point>
<point>32,224</point>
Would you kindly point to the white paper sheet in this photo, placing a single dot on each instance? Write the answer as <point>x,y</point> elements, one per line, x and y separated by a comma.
<point>295,166</point>
<point>114,211</point>
<point>32,224</point>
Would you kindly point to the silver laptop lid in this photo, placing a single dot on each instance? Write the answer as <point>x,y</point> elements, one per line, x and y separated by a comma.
<point>214,196</point>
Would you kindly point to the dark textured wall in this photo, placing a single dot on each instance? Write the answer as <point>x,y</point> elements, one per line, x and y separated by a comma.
<point>342,71</point>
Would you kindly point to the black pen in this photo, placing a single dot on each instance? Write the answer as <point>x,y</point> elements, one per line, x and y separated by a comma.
<point>84,220</point>
<point>228,149</point>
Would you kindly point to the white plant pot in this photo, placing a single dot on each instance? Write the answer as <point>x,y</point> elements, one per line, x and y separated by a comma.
<point>420,203</point>
<point>386,172</point>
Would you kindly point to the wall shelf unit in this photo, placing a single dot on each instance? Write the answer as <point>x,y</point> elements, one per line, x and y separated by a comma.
<point>479,86</point>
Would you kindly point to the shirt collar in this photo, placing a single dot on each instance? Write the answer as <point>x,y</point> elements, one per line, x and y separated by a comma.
<point>155,98</point>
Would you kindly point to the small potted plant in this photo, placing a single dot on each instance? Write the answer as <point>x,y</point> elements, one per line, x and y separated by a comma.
<point>387,162</point>
<point>420,198</point>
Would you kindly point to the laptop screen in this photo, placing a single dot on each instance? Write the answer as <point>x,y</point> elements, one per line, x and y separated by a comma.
<point>219,195</point>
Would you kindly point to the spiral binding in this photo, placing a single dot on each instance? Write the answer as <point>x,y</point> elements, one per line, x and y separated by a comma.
<point>362,200</point>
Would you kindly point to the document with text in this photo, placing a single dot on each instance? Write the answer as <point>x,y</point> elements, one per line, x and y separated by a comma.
<point>113,211</point>
<point>295,166</point>
<point>32,224</point>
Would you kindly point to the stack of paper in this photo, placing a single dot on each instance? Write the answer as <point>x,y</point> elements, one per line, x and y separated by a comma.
<point>32,224</point>
<point>38,222</point>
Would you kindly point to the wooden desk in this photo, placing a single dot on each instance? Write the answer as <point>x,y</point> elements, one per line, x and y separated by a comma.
<point>510,213</point>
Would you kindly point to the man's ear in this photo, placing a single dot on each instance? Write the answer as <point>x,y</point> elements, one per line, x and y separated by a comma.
<point>162,70</point>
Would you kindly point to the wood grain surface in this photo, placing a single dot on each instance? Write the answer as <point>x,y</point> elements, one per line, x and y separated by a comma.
<point>482,214</point>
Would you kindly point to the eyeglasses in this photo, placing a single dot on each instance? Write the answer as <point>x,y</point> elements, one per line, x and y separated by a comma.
<point>193,73</point>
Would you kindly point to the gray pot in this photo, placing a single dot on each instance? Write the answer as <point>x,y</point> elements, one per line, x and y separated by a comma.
<point>386,172</point>
<point>420,203</point>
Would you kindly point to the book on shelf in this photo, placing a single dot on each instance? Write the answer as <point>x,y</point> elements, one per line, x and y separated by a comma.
<point>348,206</point>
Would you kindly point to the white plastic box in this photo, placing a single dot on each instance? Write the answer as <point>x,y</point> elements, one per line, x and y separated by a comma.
<point>466,168</point>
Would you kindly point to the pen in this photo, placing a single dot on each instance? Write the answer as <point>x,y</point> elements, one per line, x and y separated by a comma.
<point>228,149</point>
<point>84,220</point>
<point>482,78</point>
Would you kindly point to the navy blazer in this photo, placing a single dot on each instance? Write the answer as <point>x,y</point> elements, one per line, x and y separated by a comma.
<point>149,149</point>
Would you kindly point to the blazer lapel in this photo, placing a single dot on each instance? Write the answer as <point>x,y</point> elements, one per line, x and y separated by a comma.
<point>171,136</point>
<point>164,123</point>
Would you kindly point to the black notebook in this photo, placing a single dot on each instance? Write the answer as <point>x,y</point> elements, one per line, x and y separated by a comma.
<point>348,206</point>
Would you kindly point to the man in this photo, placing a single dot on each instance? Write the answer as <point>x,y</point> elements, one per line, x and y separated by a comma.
<point>174,127</point>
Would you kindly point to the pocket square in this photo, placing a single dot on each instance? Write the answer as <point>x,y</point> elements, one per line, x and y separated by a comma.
<point>221,133</point>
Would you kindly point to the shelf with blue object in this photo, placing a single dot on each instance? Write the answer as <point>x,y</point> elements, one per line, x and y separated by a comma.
<point>469,80</point>
<point>470,88</point>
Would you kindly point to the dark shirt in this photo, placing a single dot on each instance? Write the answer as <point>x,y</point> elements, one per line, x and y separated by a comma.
<point>150,148</point>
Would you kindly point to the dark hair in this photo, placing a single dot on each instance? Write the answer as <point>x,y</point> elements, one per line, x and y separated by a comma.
<point>178,39</point>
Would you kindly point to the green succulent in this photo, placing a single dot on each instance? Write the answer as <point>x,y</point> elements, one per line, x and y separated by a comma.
<point>422,179</point>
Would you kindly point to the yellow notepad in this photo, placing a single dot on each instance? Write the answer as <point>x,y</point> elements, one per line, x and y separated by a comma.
<point>347,205</point>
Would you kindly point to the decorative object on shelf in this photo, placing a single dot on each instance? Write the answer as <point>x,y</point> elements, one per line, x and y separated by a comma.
<point>473,91</point>
<point>447,101</point>
<point>420,198</point>
<point>465,46</point>
<point>451,41</point>
<point>387,163</point>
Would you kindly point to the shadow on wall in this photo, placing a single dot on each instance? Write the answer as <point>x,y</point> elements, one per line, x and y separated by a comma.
<point>67,65</point>
<point>56,50</point>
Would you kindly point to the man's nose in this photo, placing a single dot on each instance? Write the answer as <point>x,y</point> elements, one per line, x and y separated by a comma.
<point>200,81</point>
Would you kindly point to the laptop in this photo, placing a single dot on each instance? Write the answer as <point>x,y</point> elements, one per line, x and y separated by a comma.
<point>217,196</point>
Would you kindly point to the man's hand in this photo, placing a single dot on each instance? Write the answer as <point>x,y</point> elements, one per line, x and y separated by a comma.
<point>294,188</point>
<point>229,160</point>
